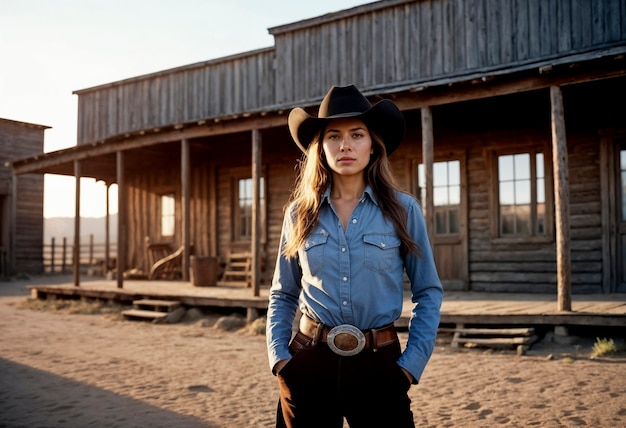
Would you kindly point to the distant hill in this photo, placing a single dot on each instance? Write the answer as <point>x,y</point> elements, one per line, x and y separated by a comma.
<point>63,227</point>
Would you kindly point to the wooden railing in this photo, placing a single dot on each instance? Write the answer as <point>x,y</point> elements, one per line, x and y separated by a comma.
<point>58,256</point>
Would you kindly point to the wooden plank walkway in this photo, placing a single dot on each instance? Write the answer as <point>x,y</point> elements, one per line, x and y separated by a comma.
<point>458,307</point>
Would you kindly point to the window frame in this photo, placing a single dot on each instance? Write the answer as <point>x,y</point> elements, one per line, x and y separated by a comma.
<point>494,192</point>
<point>236,177</point>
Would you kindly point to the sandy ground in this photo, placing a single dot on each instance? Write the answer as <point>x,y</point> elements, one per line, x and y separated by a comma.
<point>67,370</point>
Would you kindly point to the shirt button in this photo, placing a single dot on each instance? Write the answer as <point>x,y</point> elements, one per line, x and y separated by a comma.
<point>345,279</point>
<point>382,245</point>
<point>354,221</point>
<point>343,249</point>
<point>345,303</point>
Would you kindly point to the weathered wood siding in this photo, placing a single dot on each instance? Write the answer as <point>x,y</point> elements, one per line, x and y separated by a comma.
<point>384,44</point>
<point>380,45</point>
<point>228,86</point>
<point>19,140</point>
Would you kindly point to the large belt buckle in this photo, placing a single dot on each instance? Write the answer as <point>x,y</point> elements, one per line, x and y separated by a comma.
<point>346,340</point>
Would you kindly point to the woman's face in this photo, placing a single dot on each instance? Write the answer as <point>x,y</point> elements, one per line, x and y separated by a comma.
<point>347,145</point>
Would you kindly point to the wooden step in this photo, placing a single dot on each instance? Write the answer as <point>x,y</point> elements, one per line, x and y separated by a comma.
<point>134,314</point>
<point>521,338</point>
<point>226,283</point>
<point>156,305</point>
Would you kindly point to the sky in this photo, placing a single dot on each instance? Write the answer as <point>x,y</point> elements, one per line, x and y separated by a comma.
<point>50,48</point>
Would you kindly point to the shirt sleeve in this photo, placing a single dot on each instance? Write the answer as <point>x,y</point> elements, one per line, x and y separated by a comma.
<point>283,302</point>
<point>426,292</point>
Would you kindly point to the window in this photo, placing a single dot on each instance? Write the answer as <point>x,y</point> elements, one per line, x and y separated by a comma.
<point>243,216</point>
<point>521,195</point>
<point>446,195</point>
<point>168,214</point>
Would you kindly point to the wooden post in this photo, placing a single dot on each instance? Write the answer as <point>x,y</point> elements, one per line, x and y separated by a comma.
<point>256,217</point>
<point>76,252</point>
<point>561,196</point>
<point>9,268</point>
<point>107,233</point>
<point>52,255</point>
<point>64,255</point>
<point>121,221</point>
<point>213,209</point>
<point>428,156</point>
<point>185,172</point>
<point>91,243</point>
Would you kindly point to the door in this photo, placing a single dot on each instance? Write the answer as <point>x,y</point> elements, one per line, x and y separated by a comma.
<point>450,226</point>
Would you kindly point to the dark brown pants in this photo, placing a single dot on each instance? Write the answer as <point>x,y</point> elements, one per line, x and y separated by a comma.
<point>319,388</point>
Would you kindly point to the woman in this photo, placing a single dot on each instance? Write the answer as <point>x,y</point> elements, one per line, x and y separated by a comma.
<point>348,237</point>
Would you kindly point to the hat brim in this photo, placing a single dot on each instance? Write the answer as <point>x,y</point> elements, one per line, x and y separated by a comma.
<point>384,118</point>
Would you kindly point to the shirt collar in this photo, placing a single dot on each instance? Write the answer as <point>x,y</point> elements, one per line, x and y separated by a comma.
<point>369,193</point>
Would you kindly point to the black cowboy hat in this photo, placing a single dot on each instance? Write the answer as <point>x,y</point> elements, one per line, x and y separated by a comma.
<point>384,118</point>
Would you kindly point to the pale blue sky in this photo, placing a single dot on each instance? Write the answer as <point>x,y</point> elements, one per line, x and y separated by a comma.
<point>50,48</point>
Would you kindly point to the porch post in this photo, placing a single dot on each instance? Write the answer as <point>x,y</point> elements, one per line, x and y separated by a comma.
<point>256,218</point>
<point>427,155</point>
<point>121,221</point>
<point>184,179</point>
<point>107,231</point>
<point>76,249</point>
<point>561,196</point>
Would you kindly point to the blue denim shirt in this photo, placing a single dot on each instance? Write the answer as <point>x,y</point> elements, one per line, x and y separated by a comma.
<point>356,277</point>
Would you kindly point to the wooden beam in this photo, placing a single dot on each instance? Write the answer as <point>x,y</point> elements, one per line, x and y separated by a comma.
<point>121,221</point>
<point>76,249</point>
<point>256,211</point>
<point>469,90</point>
<point>428,156</point>
<point>561,199</point>
<point>185,172</point>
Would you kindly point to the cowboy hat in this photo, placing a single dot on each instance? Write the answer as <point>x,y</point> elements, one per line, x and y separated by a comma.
<point>384,118</point>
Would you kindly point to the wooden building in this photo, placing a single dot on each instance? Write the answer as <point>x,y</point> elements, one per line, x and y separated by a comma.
<point>515,142</point>
<point>21,200</point>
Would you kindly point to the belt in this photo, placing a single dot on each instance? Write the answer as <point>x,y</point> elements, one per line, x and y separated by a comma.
<point>346,340</point>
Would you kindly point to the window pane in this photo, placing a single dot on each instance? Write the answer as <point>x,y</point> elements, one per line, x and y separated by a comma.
<point>440,222</point>
<point>507,221</point>
<point>454,173</point>
<point>522,192</point>
<point>453,221</point>
<point>168,207</point>
<point>454,194</point>
<point>541,191</point>
<point>539,166</point>
<point>522,166</point>
<point>541,219</point>
<point>522,224</point>
<point>505,168</point>
<point>421,175</point>
<point>440,174</point>
<point>440,196</point>
<point>507,193</point>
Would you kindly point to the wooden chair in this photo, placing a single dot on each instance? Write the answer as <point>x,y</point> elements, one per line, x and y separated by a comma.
<point>164,262</point>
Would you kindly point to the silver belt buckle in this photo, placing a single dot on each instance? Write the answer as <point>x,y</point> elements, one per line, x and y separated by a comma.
<point>346,340</point>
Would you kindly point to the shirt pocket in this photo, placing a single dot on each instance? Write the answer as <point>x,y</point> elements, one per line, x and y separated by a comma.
<point>382,252</point>
<point>314,249</point>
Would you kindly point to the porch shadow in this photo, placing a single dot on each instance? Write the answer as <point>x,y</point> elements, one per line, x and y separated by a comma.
<point>30,397</point>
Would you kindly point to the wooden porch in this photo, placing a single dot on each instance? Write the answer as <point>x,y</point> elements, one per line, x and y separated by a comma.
<point>459,308</point>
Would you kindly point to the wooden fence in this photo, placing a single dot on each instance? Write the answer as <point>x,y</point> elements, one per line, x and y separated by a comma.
<point>58,256</point>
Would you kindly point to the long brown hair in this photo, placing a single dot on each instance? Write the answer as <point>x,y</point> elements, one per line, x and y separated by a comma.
<point>315,176</point>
